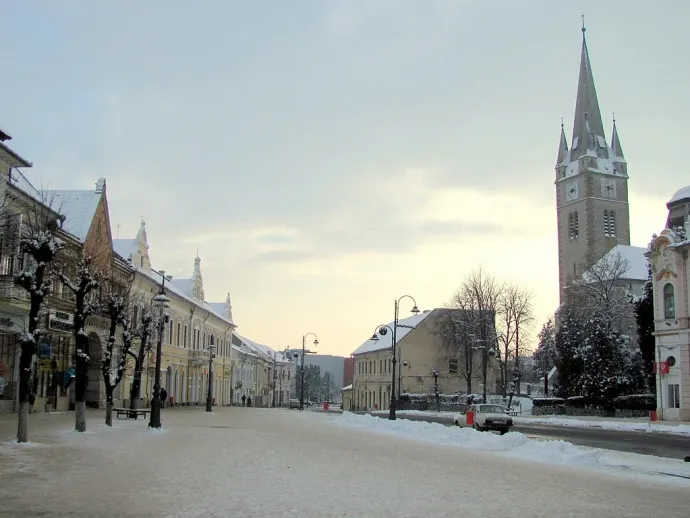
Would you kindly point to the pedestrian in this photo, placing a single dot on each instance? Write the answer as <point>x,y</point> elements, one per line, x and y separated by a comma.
<point>249,401</point>
<point>164,396</point>
<point>244,399</point>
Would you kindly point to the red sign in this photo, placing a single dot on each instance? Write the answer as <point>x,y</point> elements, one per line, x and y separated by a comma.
<point>661,367</point>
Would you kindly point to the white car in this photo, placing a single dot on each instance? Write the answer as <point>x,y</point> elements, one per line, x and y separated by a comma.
<point>486,417</point>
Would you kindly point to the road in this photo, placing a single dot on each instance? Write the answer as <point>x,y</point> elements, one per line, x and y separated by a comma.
<point>661,445</point>
<point>254,462</point>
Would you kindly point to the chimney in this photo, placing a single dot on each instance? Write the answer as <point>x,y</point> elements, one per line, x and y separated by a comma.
<point>100,185</point>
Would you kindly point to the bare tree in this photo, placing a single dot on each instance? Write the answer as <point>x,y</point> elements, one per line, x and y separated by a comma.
<point>516,308</point>
<point>117,308</point>
<point>144,332</point>
<point>454,328</point>
<point>37,240</point>
<point>83,285</point>
<point>602,291</point>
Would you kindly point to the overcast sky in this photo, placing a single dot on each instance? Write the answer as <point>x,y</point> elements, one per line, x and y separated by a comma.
<point>330,156</point>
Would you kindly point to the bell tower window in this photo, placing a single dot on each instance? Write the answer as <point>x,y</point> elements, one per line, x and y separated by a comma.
<point>609,223</point>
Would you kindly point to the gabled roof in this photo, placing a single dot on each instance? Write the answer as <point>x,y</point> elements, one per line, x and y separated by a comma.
<point>262,349</point>
<point>385,341</point>
<point>634,255</point>
<point>79,209</point>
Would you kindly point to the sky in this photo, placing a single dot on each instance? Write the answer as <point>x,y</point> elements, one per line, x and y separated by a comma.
<point>328,157</point>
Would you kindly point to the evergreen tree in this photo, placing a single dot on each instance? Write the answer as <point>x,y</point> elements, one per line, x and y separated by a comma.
<point>644,315</point>
<point>567,359</point>
<point>545,355</point>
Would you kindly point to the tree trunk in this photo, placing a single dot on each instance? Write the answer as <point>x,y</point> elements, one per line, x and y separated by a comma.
<point>80,416</point>
<point>81,381</point>
<point>23,422</point>
<point>109,413</point>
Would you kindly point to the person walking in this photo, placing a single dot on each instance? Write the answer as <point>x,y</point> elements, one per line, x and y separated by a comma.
<point>249,401</point>
<point>244,399</point>
<point>164,395</point>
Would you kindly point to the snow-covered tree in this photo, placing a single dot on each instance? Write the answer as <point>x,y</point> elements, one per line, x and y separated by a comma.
<point>545,354</point>
<point>83,284</point>
<point>116,307</point>
<point>39,243</point>
<point>453,329</point>
<point>605,362</point>
<point>644,316</point>
<point>567,359</point>
<point>144,331</point>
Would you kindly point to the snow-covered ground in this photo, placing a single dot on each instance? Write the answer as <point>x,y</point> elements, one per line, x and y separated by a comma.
<point>269,462</point>
<point>520,446</point>
<point>629,425</point>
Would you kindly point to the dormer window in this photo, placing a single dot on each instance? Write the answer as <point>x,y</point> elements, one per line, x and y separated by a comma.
<point>669,302</point>
<point>141,260</point>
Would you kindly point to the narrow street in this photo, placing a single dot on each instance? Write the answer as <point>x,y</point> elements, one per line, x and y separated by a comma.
<point>258,462</point>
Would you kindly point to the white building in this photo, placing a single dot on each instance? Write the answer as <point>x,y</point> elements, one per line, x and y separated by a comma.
<point>668,255</point>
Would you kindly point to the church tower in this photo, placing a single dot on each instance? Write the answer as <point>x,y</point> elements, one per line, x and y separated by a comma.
<point>591,185</point>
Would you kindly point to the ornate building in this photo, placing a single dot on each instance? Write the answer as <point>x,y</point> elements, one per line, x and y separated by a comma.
<point>668,256</point>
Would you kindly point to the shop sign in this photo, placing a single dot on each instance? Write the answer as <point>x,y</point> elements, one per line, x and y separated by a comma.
<point>60,321</point>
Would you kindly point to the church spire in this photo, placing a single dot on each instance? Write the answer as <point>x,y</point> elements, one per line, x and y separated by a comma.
<point>615,142</point>
<point>587,126</point>
<point>562,147</point>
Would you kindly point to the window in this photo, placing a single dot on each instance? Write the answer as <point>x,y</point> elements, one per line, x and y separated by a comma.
<point>177,338</point>
<point>609,223</point>
<point>184,337</point>
<point>573,225</point>
<point>669,301</point>
<point>170,332</point>
<point>141,260</point>
<point>453,366</point>
<point>674,396</point>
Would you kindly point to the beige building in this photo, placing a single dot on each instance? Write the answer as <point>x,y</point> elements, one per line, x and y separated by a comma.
<point>668,255</point>
<point>193,328</point>
<point>420,350</point>
<point>261,372</point>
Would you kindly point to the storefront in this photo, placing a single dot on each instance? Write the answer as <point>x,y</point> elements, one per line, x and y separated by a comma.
<point>10,327</point>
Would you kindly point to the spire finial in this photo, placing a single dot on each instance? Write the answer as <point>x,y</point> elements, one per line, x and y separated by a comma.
<point>584,29</point>
<point>197,250</point>
<point>614,117</point>
<point>562,127</point>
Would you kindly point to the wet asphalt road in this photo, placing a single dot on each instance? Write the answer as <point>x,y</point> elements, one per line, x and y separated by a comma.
<point>659,444</point>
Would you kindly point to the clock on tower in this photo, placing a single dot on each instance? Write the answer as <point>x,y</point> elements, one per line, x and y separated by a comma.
<point>571,193</point>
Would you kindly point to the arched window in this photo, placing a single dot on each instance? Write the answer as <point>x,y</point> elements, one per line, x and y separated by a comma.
<point>669,301</point>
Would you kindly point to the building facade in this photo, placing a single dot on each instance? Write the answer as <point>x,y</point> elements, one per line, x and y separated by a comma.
<point>591,185</point>
<point>261,373</point>
<point>419,351</point>
<point>193,330</point>
<point>668,256</point>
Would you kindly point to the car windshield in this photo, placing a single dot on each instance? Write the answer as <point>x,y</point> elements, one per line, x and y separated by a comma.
<point>491,409</point>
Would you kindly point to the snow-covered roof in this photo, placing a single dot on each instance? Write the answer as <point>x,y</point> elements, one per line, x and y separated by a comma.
<point>635,257</point>
<point>125,247</point>
<point>78,207</point>
<point>172,288</point>
<point>345,389</point>
<point>385,342</point>
<point>680,194</point>
<point>261,348</point>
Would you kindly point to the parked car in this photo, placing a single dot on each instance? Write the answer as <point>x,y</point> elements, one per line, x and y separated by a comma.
<point>486,417</point>
<point>294,403</point>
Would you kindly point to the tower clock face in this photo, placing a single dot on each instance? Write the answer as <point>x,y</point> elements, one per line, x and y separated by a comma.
<point>571,192</point>
<point>608,188</point>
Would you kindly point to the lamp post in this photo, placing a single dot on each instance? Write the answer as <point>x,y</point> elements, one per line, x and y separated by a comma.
<point>415,310</point>
<point>304,351</point>
<point>488,351</point>
<point>438,398</point>
<point>161,302</point>
<point>209,395</point>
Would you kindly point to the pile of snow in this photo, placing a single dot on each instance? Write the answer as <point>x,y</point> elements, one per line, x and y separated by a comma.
<point>622,426</point>
<point>517,445</point>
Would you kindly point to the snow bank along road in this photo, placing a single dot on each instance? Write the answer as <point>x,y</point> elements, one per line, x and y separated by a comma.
<point>268,462</point>
<point>659,444</point>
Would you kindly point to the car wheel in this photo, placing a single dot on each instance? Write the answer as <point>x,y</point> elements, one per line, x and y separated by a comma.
<point>456,422</point>
<point>503,431</point>
<point>477,427</point>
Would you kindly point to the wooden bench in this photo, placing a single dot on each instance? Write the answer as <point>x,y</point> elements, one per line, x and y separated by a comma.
<point>132,414</point>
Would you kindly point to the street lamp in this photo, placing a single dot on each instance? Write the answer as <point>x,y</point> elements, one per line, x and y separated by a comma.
<point>415,310</point>
<point>488,352</point>
<point>438,398</point>
<point>304,351</point>
<point>209,395</point>
<point>161,303</point>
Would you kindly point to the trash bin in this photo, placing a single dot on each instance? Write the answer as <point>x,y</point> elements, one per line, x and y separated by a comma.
<point>469,418</point>
<point>172,401</point>
<point>652,415</point>
<point>325,406</point>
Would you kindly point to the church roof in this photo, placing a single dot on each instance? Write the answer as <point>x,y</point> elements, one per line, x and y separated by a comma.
<point>636,259</point>
<point>681,194</point>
